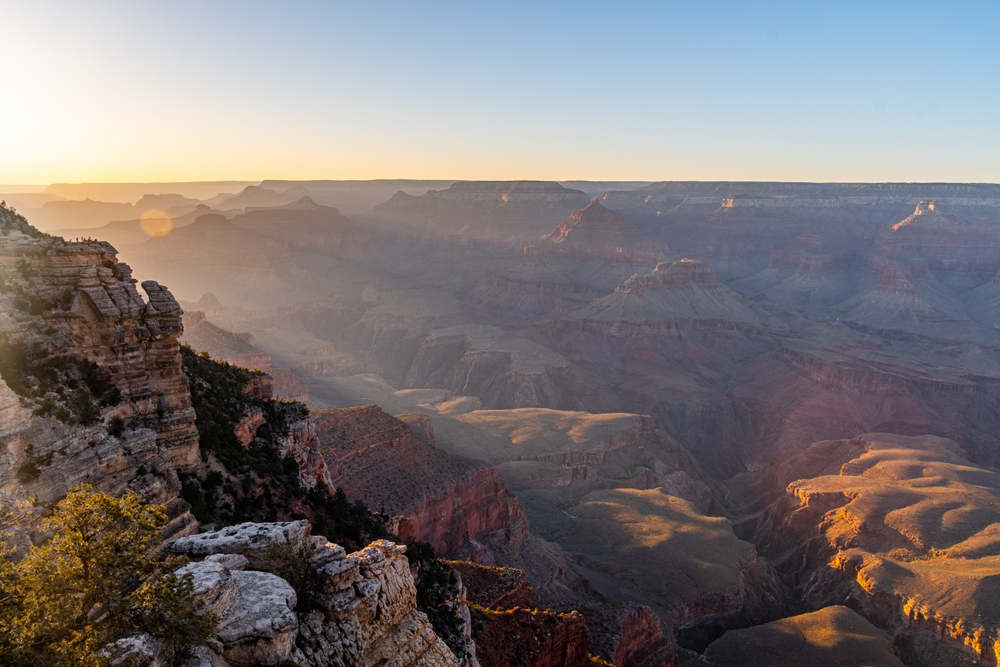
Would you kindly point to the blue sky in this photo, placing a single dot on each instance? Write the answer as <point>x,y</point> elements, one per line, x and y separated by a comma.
<point>644,90</point>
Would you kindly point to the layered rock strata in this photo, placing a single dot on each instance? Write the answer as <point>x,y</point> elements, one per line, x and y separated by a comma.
<point>504,210</point>
<point>77,302</point>
<point>453,503</point>
<point>587,255</point>
<point>903,529</point>
<point>625,635</point>
<point>629,635</point>
<point>364,604</point>
<point>90,308</point>
<point>530,638</point>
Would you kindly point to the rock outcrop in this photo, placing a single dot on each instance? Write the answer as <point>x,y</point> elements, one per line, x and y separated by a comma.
<point>363,605</point>
<point>257,624</point>
<point>249,540</point>
<point>111,403</point>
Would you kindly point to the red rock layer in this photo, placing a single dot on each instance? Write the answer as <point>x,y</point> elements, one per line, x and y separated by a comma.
<point>530,638</point>
<point>455,504</point>
<point>495,587</point>
<point>626,635</point>
<point>629,635</point>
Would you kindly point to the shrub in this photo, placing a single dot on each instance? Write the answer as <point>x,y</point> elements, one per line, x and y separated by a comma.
<point>259,482</point>
<point>116,427</point>
<point>98,579</point>
<point>83,387</point>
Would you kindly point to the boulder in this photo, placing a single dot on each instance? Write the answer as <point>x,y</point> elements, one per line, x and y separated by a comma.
<point>250,540</point>
<point>257,622</point>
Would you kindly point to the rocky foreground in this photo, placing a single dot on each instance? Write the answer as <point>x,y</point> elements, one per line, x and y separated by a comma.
<point>361,611</point>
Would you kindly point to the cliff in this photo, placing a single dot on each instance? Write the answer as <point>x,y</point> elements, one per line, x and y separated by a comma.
<point>97,371</point>
<point>629,635</point>
<point>625,635</point>
<point>357,610</point>
<point>530,638</point>
<point>453,503</point>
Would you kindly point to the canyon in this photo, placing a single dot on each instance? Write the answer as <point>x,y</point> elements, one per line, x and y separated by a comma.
<point>687,418</point>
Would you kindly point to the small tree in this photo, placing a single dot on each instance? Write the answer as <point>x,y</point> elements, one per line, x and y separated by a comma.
<point>99,578</point>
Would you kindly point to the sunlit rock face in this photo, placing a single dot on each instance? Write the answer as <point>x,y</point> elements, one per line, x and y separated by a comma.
<point>903,528</point>
<point>364,613</point>
<point>828,637</point>
<point>75,301</point>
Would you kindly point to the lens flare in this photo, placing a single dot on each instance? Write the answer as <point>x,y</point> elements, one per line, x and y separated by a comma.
<point>156,223</point>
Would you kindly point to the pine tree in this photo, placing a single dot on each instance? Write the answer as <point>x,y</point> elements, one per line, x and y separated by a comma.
<point>99,578</point>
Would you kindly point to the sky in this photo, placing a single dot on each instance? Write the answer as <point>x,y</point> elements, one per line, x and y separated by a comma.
<point>697,90</point>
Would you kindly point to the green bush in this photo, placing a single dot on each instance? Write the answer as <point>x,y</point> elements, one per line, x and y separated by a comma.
<point>259,483</point>
<point>83,388</point>
<point>100,577</point>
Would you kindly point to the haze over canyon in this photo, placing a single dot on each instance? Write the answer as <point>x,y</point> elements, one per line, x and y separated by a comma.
<point>645,424</point>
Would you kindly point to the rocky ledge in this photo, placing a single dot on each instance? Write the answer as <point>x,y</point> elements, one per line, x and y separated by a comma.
<point>361,608</point>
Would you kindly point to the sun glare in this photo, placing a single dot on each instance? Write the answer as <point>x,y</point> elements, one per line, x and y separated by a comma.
<point>156,223</point>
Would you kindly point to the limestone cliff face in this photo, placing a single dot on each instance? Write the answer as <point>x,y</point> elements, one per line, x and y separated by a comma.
<point>82,301</point>
<point>72,315</point>
<point>453,503</point>
<point>362,611</point>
